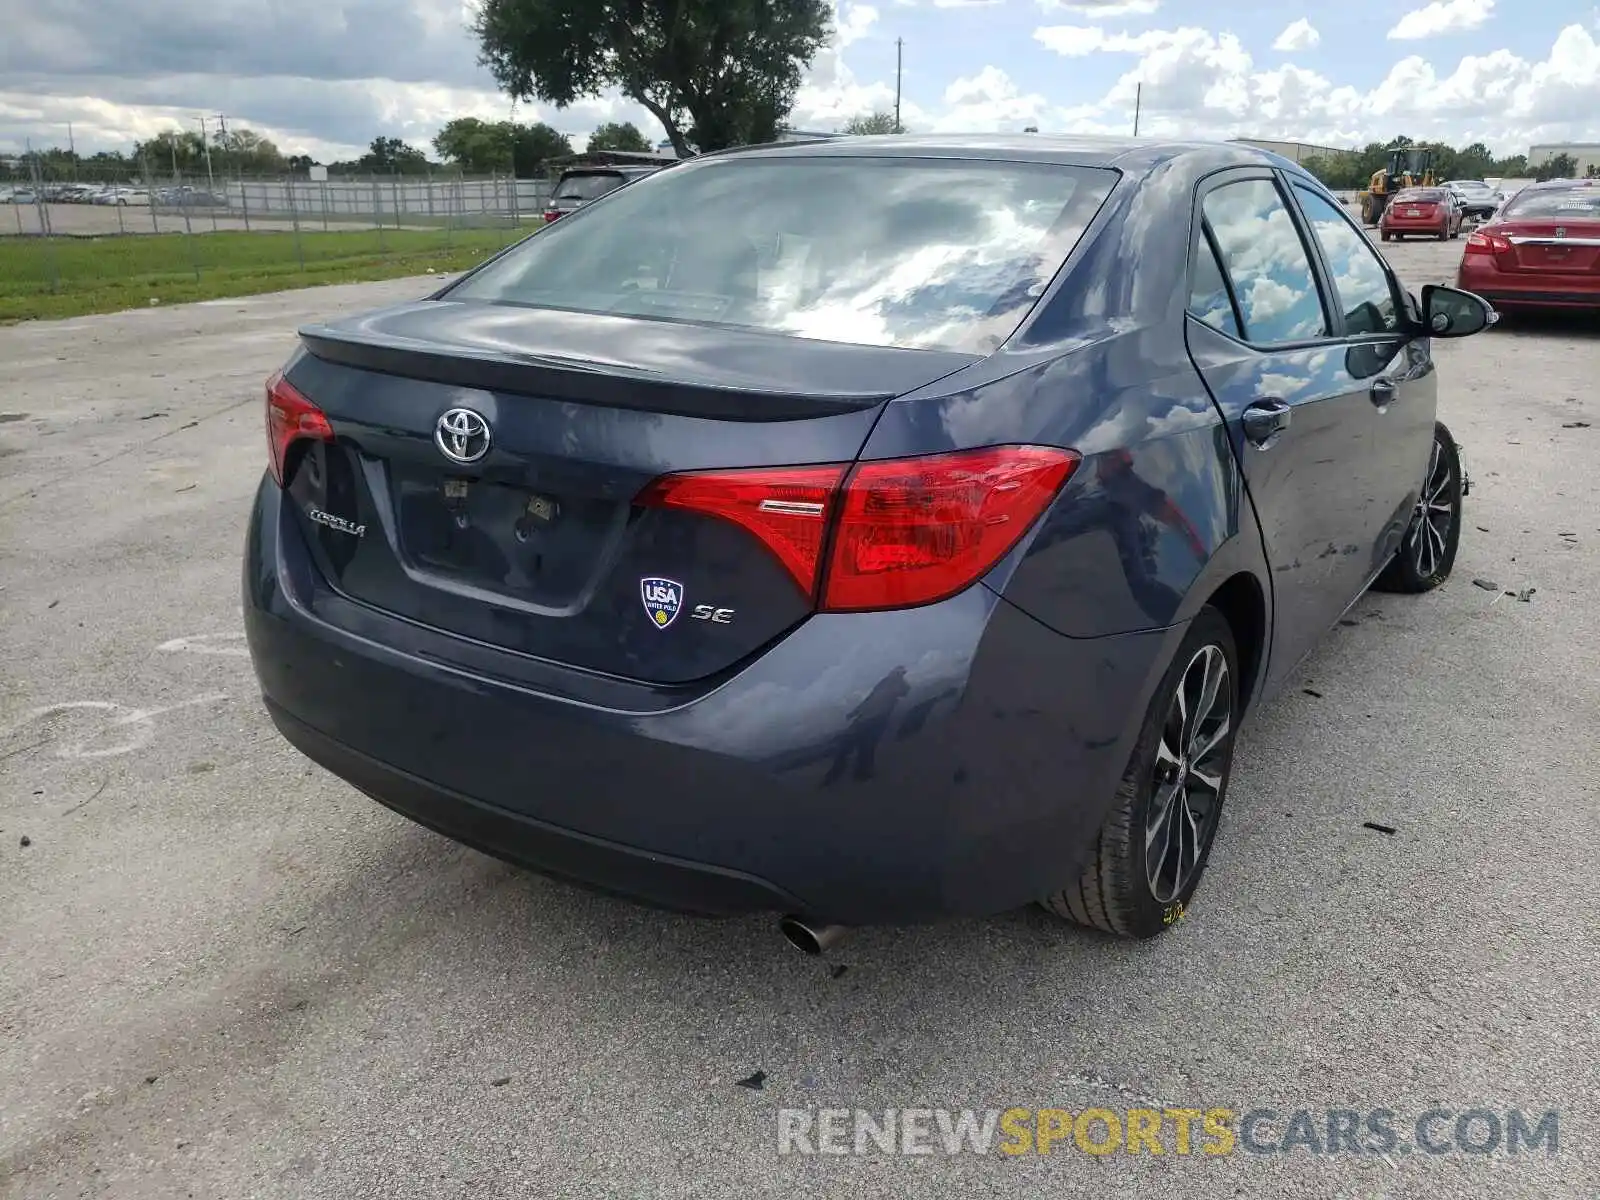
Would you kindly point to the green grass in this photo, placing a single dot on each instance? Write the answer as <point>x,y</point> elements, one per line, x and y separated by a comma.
<point>71,276</point>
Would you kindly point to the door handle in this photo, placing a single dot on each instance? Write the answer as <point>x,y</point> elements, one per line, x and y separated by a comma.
<point>1265,420</point>
<point>1383,392</point>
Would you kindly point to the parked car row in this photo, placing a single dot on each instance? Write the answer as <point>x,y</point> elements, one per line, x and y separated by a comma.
<point>182,196</point>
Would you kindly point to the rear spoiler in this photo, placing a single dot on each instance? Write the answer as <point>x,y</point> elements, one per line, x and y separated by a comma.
<point>556,378</point>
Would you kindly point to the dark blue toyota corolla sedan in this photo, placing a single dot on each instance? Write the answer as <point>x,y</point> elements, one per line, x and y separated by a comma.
<point>865,531</point>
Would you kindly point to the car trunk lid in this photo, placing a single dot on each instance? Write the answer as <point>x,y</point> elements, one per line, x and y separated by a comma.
<point>485,460</point>
<point>1549,246</point>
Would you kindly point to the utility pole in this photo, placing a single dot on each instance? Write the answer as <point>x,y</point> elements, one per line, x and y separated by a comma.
<point>1138,97</point>
<point>72,150</point>
<point>205,144</point>
<point>899,59</point>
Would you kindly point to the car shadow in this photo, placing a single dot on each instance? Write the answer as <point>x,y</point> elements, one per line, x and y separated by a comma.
<point>1553,323</point>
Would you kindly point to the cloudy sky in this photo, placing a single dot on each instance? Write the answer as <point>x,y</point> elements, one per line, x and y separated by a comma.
<point>326,76</point>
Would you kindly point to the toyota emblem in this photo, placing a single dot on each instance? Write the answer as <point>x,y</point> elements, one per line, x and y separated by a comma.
<point>462,435</point>
<point>1561,231</point>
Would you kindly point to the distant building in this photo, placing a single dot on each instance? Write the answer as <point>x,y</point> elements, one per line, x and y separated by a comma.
<point>1584,154</point>
<point>1296,151</point>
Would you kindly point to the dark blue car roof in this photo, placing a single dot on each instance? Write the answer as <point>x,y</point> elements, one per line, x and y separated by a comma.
<point>1126,153</point>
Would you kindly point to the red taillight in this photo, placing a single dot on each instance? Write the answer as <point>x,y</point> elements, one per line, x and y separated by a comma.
<point>1487,243</point>
<point>912,531</point>
<point>904,532</point>
<point>550,214</point>
<point>290,417</point>
<point>786,507</point>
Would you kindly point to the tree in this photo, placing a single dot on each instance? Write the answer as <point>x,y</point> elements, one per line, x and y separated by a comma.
<point>1558,166</point>
<point>715,73</point>
<point>1592,171</point>
<point>172,150</point>
<point>874,122</point>
<point>300,164</point>
<point>390,156</point>
<point>245,152</point>
<point>619,135</point>
<point>481,147</point>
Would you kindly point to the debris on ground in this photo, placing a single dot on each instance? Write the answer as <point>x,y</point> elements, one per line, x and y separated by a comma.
<point>837,970</point>
<point>1487,585</point>
<point>1526,594</point>
<point>152,416</point>
<point>26,841</point>
<point>89,801</point>
<point>1388,829</point>
<point>1312,692</point>
<point>501,1082</point>
<point>753,1082</point>
<point>1575,425</point>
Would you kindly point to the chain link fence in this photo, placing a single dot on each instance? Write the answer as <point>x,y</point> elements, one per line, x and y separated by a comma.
<point>153,237</point>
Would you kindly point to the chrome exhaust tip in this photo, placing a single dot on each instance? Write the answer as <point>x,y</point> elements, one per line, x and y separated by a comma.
<point>808,938</point>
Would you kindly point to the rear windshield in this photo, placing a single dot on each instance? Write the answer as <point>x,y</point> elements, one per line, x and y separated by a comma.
<point>586,187</point>
<point>1555,202</point>
<point>1420,196</point>
<point>878,251</point>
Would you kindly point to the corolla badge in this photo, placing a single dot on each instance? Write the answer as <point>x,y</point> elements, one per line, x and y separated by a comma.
<point>663,598</point>
<point>462,435</point>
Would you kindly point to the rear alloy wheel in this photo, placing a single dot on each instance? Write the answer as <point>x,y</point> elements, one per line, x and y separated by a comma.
<point>1153,848</point>
<point>1427,553</point>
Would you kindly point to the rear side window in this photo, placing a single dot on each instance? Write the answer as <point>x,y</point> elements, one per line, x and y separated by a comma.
<point>1267,262</point>
<point>1360,283</point>
<point>891,251</point>
<point>1208,290</point>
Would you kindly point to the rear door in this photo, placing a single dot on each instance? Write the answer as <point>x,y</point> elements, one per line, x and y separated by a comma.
<point>1298,405</point>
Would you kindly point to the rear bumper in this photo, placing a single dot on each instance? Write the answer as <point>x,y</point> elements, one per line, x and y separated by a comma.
<point>956,759</point>
<point>1434,226</point>
<point>517,838</point>
<point>1511,289</point>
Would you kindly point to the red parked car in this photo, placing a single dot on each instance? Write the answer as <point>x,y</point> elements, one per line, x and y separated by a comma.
<point>1433,212</point>
<point>1542,250</point>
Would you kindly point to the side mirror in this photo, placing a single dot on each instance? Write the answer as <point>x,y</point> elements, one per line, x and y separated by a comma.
<point>1451,313</point>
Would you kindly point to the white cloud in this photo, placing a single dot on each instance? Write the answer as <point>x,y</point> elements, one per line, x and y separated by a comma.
<point>987,102</point>
<point>966,3</point>
<point>1102,9</point>
<point>1202,84</point>
<point>854,22</point>
<point>1442,16</point>
<point>1300,35</point>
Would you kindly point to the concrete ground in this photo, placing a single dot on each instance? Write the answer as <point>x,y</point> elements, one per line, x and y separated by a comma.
<point>223,973</point>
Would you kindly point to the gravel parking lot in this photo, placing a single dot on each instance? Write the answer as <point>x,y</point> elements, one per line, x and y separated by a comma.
<point>225,974</point>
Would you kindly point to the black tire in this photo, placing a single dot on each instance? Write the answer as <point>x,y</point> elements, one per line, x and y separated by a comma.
<point>1386,236</point>
<point>1426,558</point>
<point>1115,892</point>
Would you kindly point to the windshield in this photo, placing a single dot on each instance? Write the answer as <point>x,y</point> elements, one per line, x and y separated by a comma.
<point>1469,185</point>
<point>1555,202</point>
<point>879,251</point>
<point>586,187</point>
<point>1420,196</point>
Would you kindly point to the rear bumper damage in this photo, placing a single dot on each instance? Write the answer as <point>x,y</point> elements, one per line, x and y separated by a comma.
<point>955,759</point>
